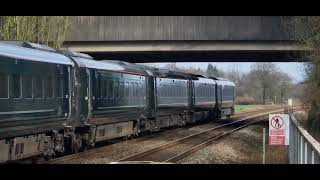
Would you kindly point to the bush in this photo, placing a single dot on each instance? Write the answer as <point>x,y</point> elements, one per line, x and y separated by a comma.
<point>245,100</point>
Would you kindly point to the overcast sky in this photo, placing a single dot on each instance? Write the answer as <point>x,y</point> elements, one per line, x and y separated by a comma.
<point>294,69</point>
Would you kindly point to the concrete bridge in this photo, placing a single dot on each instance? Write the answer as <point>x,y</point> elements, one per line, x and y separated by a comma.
<point>184,38</point>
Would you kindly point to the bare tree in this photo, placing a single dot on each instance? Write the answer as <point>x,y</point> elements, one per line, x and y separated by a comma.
<point>213,71</point>
<point>48,30</point>
<point>307,30</point>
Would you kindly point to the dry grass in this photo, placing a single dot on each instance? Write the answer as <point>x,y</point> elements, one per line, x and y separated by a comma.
<point>274,154</point>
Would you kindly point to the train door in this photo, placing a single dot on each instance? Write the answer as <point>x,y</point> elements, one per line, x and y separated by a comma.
<point>84,94</point>
<point>219,96</point>
<point>150,94</point>
<point>63,88</point>
<point>191,94</point>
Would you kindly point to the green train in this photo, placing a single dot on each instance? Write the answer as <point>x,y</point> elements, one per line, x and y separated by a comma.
<point>55,102</point>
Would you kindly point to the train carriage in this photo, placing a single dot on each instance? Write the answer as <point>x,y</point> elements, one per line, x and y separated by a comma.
<point>226,97</point>
<point>205,103</point>
<point>112,98</point>
<point>34,98</point>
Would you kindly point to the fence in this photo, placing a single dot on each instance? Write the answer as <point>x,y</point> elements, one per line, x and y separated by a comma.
<point>303,148</point>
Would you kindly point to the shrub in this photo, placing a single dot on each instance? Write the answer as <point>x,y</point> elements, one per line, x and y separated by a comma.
<point>245,100</point>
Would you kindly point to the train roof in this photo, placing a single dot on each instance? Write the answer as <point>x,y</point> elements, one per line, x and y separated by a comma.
<point>167,73</point>
<point>20,50</point>
<point>206,80</point>
<point>225,82</point>
<point>157,72</point>
<point>75,54</point>
<point>222,81</point>
<point>31,45</point>
<point>89,63</point>
<point>128,67</point>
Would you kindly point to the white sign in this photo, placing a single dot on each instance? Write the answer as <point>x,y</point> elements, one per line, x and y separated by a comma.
<point>289,102</point>
<point>279,129</point>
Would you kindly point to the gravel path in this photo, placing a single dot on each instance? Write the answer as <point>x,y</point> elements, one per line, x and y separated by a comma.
<point>235,148</point>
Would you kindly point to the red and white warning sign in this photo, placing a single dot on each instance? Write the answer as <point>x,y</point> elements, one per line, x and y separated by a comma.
<point>279,129</point>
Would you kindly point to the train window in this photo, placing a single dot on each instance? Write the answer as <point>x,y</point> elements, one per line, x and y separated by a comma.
<point>207,91</point>
<point>97,86</point>
<point>132,94</point>
<point>121,89</point>
<point>161,92</point>
<point>202,91</point>
<point>4,81</point>
<point>116,90</point>
<point>16,85</point>
<point>181,91</point>
<point>172,90</point>
<point>168,91</point>
<point>27,85</point>
<point>38,87</point>
<point>176,90</point>
<point>199,91</point>
<point>48,87</point>
<point>127,89</point>
<point>104,88</point>
<point>59,87</point>
<point>184,90</point>
<point>137,90</point>
<point>110,90</point>
<point>165,91</point>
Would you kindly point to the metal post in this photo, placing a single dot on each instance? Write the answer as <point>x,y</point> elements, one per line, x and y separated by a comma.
<point>264,146</point>
<point>301,149</point>
<point>305,152</point>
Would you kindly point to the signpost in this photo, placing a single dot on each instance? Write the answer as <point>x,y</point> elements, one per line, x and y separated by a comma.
<point>264,146</point>
<point>279,129</point>
<point>289,102</point>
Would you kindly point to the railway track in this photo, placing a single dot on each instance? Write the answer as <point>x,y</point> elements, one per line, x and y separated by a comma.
<point>92,153</point>
<point>176,150</point>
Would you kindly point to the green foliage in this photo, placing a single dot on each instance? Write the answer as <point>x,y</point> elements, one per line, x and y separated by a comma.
<point>244,107</point>
<point>47,30</point>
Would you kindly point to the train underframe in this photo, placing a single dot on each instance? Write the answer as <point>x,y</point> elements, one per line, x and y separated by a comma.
<point>47,144</point>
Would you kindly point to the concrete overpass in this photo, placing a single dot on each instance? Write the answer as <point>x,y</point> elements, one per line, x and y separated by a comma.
<point>184,38</point>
